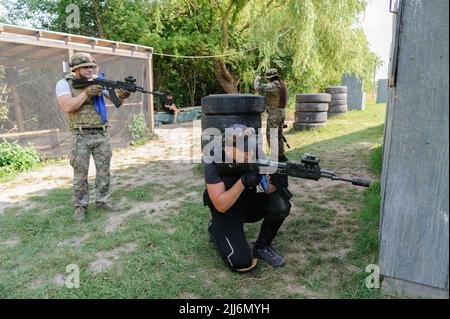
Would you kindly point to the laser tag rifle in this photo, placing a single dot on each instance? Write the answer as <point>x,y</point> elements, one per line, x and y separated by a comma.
<point>308,168</point>
<point>128,84</point>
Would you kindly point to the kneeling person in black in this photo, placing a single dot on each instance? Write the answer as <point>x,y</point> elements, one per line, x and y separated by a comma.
<point>233,201</point>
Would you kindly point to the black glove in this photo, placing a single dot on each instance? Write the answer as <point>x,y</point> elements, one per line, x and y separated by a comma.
<point>251,179</point>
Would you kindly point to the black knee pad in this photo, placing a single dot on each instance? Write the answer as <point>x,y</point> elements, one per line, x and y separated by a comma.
<point>279,206</point>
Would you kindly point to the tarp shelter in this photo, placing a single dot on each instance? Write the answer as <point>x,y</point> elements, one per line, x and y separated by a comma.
<point>31,64</point>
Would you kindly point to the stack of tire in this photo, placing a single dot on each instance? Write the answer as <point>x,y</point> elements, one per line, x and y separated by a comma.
<point>311,110</point>
<point>223,110</point>
<point>338,104</point>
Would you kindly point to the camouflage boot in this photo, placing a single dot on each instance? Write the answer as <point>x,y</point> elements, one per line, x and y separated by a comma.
<point>103,205</point>
<point>79,214</point>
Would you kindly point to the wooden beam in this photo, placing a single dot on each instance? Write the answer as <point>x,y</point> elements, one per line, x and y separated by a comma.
<point>87,47</point>
<point>11,79</point>
<point>151,115</point>
<point>29,133</point>
<point>61,36</point>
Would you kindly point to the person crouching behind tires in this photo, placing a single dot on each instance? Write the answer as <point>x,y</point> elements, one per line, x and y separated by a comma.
<point>233,200</point>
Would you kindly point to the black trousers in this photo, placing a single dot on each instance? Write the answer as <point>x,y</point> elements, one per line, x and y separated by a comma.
<point>227,229</point>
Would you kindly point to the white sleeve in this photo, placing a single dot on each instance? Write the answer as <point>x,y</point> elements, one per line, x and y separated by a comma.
<point>62,88</point>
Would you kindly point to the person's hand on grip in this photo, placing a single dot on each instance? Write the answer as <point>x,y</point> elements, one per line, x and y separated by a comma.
<point>93,90</point>
<point>123,94</point>
<point>251,179</point>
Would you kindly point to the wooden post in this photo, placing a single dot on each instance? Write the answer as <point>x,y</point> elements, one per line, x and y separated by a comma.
<point>11,79</point>
<point>70,54</point>
<point>151,115</point>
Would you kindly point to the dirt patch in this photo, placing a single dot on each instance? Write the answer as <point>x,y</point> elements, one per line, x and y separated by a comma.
<point>340,253</point>
<point>11,242</point>
<point>173,147</point>
<point>59,280</point>
<point>189,295</point>
<point>75,241</point>
<point>37,283</point>
<point>153,211</point>
<point>105,259</point>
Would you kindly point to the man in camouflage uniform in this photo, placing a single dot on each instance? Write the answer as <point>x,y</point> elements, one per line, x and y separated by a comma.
<point>89,134</point>
<point>276,97</point>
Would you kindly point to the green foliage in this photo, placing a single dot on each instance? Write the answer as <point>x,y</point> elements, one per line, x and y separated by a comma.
<point>18,158</point>
<point>138,129</point>
<point>4,111</point>
<point>312,42</point>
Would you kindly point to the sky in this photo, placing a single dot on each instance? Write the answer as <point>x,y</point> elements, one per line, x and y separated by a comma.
<point>377,26</point>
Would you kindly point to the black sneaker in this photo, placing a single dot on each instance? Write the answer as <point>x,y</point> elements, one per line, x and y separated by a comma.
<point>269,254</point>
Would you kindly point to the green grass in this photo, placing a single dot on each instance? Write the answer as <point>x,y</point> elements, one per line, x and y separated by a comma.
<point>327,252</point>
<point>8,174</point>
<point>340,132</point>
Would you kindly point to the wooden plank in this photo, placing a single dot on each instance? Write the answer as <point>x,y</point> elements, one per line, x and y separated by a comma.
<point>72,37</point>
<point>151,115</point>
<point>29,133</point>
<point>86,47</point>
<point>11,79</point>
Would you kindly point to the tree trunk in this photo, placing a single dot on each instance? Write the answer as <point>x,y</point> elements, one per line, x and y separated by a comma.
<point>223,76</point>
<point>97,18</point>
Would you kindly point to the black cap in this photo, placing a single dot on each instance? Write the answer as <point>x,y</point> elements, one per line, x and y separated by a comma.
<point>241,137</point>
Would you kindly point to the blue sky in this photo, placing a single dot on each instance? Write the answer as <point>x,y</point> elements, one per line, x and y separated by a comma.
<point>377,26</point>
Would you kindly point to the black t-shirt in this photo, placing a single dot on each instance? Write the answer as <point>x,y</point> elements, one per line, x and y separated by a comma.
<point>211,173</point>
<point>167,102</point>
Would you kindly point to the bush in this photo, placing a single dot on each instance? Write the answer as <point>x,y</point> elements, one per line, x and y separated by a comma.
<point>138,129</point>
<point>18,158</point>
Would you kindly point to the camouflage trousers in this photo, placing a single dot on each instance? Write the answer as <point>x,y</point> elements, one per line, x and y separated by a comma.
<point>83,145</point>
<point>276,121</point>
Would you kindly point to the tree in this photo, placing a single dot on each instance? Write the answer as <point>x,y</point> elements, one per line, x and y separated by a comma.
<point>311,42</point>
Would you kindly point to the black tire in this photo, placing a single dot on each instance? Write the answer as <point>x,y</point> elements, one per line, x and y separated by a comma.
<point>337,102</point>
<point>311,107</point>
<point>307,126</point>
<point>338,109</point>
<point>313,98</point>
<point>336,89</point>
<point>338,97</point>
<point>310,117</point>
<point>221,122</point>
<point>226,104</point>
